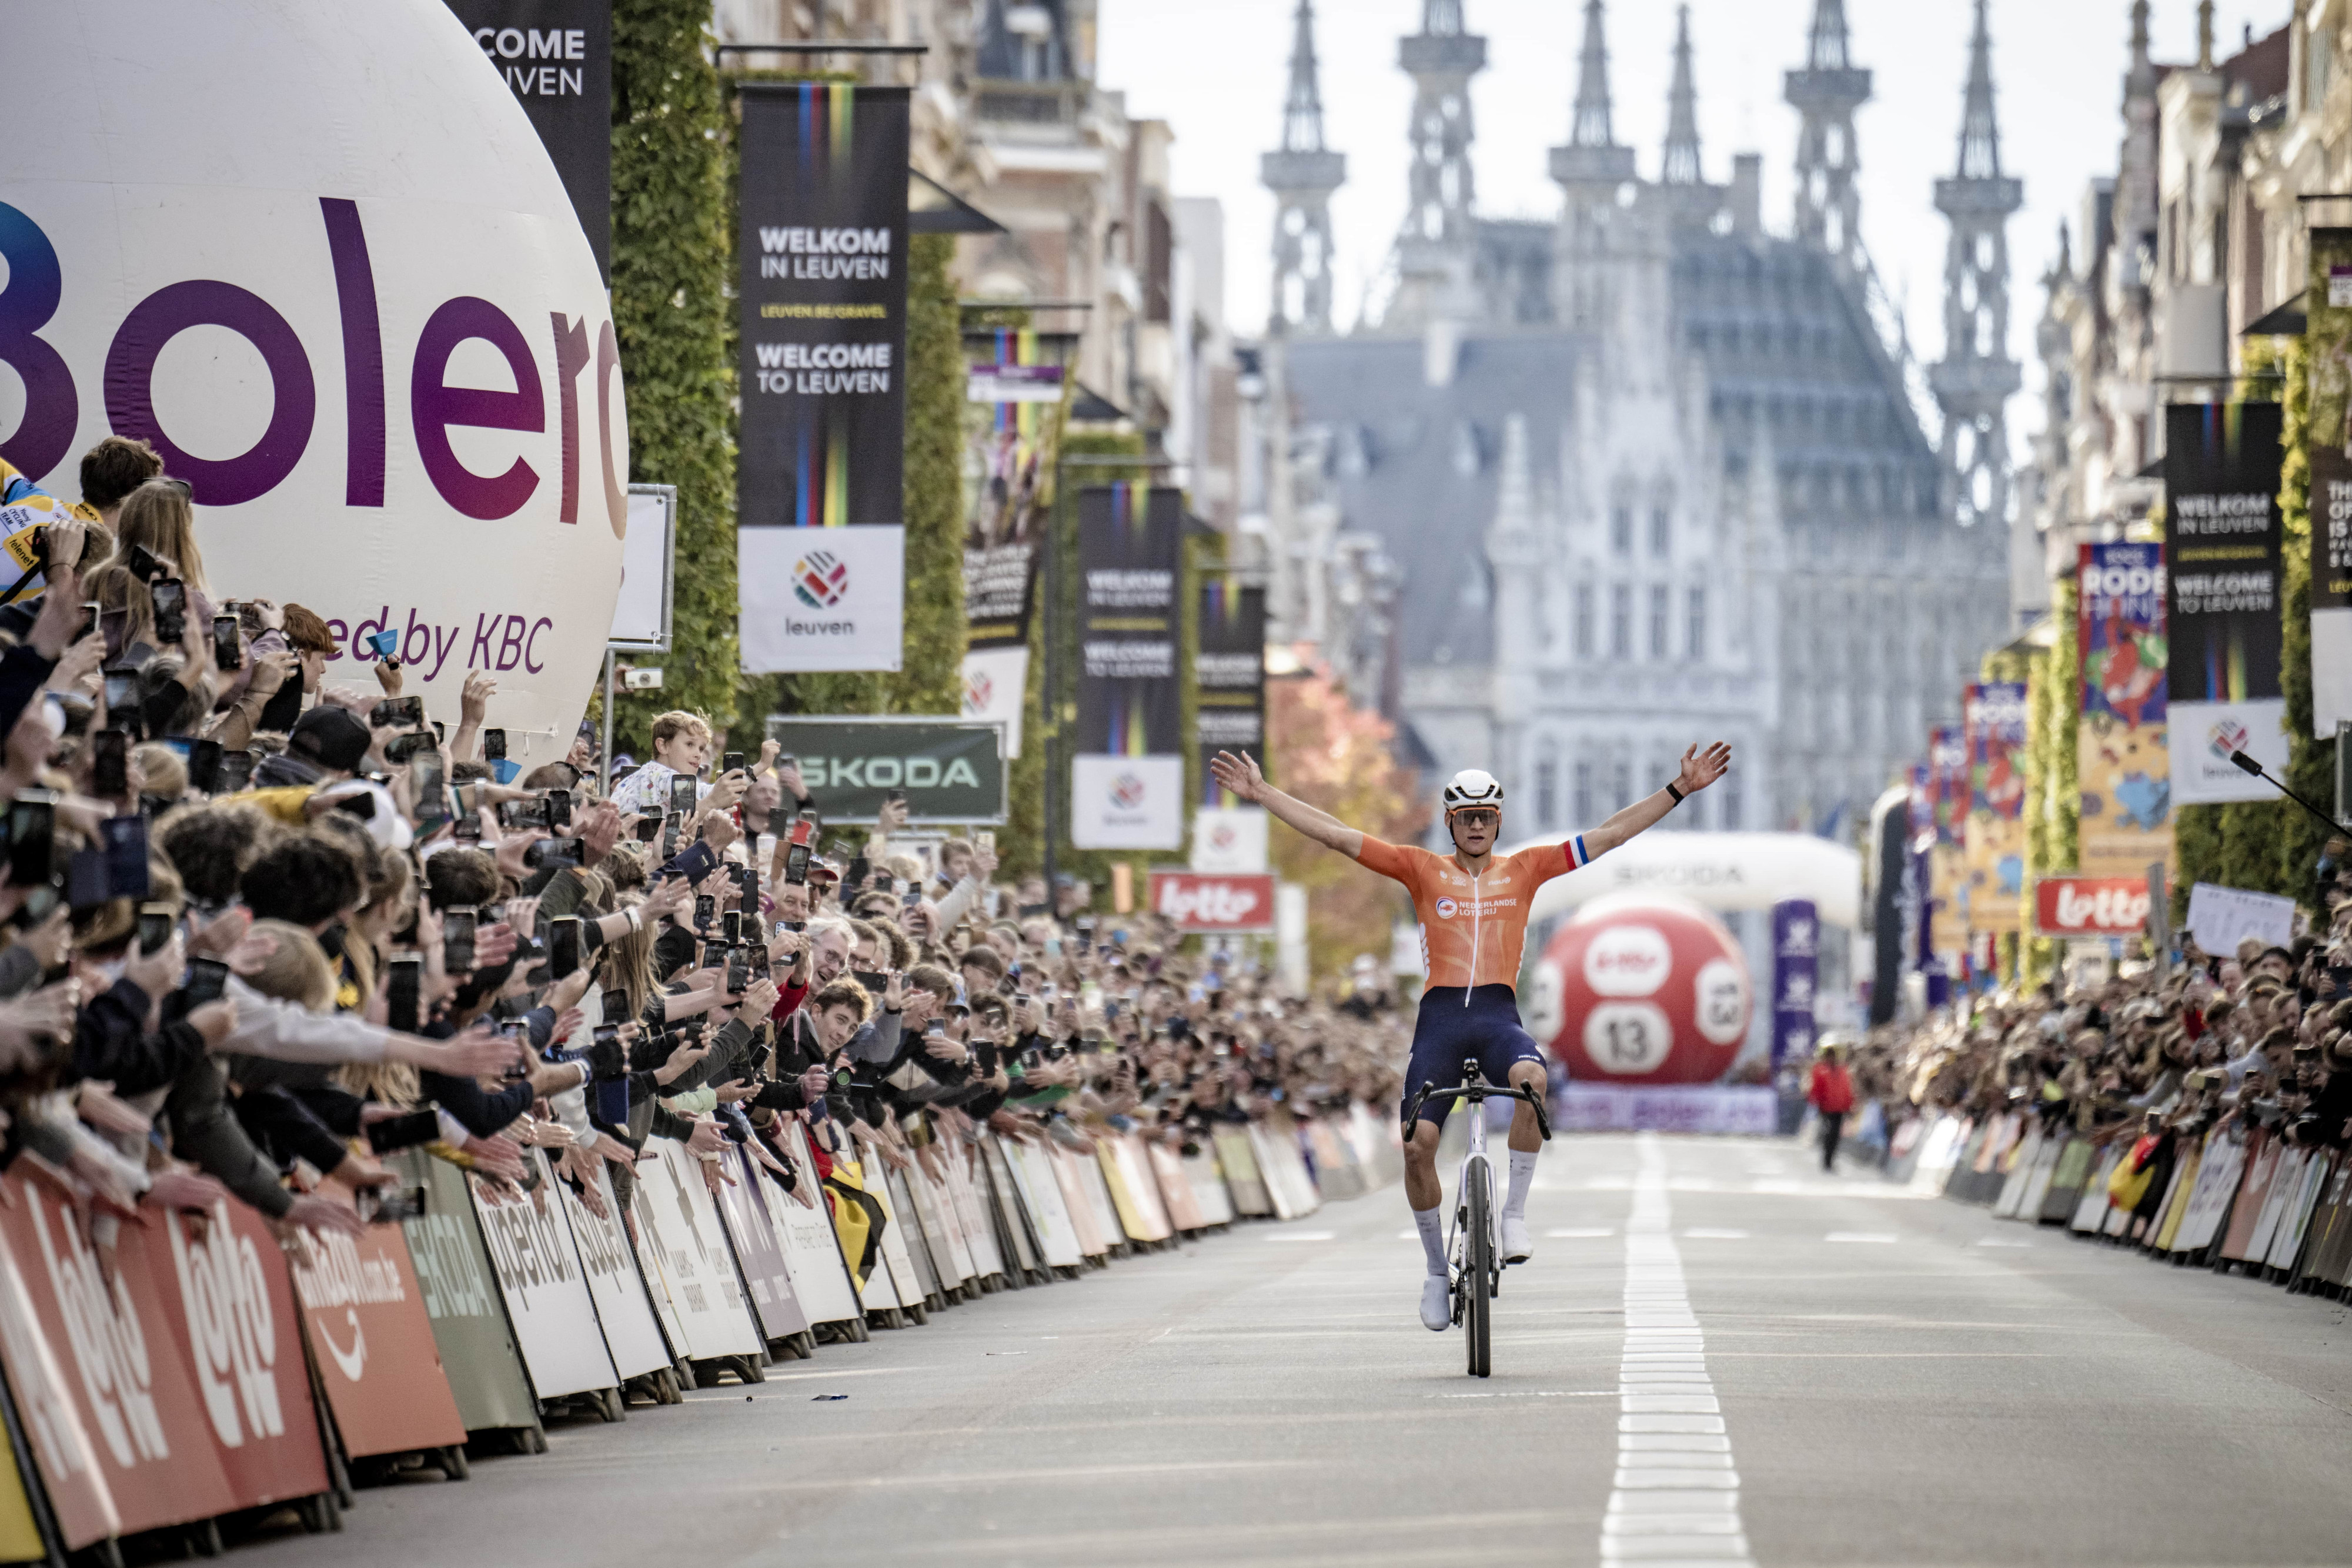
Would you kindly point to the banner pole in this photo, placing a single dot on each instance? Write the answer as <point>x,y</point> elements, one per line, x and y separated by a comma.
<point>604,756</point>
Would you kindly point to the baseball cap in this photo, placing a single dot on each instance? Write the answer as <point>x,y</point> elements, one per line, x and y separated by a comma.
<point>330,736</point>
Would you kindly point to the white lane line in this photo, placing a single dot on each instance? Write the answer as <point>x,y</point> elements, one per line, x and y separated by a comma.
<point>1573,1232</point>
<point>1703,1233</point>
<point>1674,1497</point>
<point>1871,1237</point>
<point>1322,1236</point>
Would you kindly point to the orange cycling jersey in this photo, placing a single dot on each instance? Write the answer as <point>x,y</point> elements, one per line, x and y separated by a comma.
<point>1472,928</point>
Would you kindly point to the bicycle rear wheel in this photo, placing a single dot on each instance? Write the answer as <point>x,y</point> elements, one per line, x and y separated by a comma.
<point>1477,1271</point>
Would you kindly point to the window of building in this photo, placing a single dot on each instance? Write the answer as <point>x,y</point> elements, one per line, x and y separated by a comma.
<point>1584,817</point>
<point>1621,622</point>
<point>1621,530</point>
<point>1662,533</point>
<point>1694,626</point>
<point>1624,792</point>
<point>1731,801</point>
<point>1547,792</point>
<point>1584,620</point>
<point>1658,627</point>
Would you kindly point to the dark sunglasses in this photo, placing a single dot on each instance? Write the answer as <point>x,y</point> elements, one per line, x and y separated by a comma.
<point>1477,816</point>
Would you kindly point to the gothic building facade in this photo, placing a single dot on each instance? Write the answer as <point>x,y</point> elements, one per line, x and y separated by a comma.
<point>1657,472</point>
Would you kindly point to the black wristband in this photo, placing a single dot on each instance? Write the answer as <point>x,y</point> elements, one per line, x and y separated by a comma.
<point>1676,794</point>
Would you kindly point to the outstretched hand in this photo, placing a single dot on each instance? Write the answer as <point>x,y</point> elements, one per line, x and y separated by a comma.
<point>1239,776</point>
<point>1701,768</point>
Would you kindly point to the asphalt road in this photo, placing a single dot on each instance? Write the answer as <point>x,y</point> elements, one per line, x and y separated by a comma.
<point>1717,1356</point>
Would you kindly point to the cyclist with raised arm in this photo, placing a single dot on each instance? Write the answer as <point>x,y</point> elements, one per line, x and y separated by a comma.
<point>1473,910</point>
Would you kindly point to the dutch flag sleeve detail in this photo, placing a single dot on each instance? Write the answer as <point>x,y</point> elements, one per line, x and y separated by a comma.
<point>1577,857</point>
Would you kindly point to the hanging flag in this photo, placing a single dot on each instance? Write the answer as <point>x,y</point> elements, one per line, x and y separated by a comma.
<point>556,56</point>
<point>1948,795</point>
<point>2221,534</point>
<point>1013,410</point>
<point>1229,677</point>
<point>1993,720</point>
<point>2122,766</point>
<point>2327,305</point>
<point>1128,775</point>
<point>821,257</point>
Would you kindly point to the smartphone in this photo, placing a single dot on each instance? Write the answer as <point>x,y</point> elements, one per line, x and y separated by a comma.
<point>402,993</point>
<point>32,824</point>
<point>910,897</point>
<point>385,645</point>
<point>398,713</point>
<point>390,1205</point>
<point>361,805</point>
<point>749,882</point>
<point>648,829</point>
<point>91,610</point>
<point>204,766</point>
<point>705,909</point>
<point>757,953</point>
<point>143,565</point>
<point>155,924</point>
<point>457,926</point>
<point>616,1007</point>
<point>525,814</point>
<point>563,946</point>
<point>731,763</point>
<point>494,746</point>
<point>559,808</point>
<point>394,1133</point>
<point>122,688</point>
<point>738,973</point>
<point>985,839</point>
<point>682,794</point>
<point>696,862</point>
<point>797,857</point>
<point>428,784</point>
<point>936,1029</point>
<point>236,772</point>
<point>86,879</point>
<point>731,926</point>
<point>109,757</point>
<point>553,852</point>
<point>894,797</point>
<point>229,648</point>
<point>171,597</point>
<point>208,981</point>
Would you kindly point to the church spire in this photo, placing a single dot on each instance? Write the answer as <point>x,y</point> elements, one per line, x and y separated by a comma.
<point>1591,127</point>
<point>1976,376</point>
<point>1434,247</point>
<point>1302,173</point>
<point>1682,163</point>
<point>1825,94</point>
<point>1980,134</point>
<point>1592,157</point>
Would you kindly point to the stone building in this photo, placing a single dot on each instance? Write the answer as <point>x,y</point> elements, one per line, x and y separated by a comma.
<point>1589,490</point>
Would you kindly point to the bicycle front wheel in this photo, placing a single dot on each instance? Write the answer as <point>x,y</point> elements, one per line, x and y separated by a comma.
<point>1477,1269</point>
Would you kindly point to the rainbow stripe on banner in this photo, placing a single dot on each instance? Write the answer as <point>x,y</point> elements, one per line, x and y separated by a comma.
<point>821,490</point>
<point>828,122</point>
<point>1130,737</point>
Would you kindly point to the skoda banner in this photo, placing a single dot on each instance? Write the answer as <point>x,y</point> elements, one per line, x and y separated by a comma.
<point>2221,535</point>
<point>2329,303</point>
<point>821,257</point>
<point>950,771</point>
<point>556,56</point>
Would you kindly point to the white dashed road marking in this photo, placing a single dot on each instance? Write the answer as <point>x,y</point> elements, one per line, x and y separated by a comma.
<point>1676,1498</point>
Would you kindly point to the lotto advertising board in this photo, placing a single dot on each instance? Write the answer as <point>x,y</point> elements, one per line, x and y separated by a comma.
<point>374,341</point>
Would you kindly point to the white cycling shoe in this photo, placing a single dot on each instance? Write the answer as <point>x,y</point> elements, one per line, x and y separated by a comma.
<point>1517,1248</point>
<point>1436,1303</point>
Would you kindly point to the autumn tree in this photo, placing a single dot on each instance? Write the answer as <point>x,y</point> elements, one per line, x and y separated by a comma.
<point>1340,758</point>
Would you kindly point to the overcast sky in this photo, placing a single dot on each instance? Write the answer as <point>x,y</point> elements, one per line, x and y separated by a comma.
<point>1215,70</point>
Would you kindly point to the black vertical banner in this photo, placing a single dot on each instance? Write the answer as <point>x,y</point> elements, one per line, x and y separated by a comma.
<point>820,258</point>
<point>556,55</point>
<point>1229,677</point>
<point>2223,537</point>
<point>1131,539</point>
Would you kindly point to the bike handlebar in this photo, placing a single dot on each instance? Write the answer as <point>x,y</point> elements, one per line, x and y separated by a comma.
<point>1477,1094</point>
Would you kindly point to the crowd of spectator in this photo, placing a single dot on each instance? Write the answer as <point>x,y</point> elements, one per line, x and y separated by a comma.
<point>2258,1039</point>
<point>257,921</point>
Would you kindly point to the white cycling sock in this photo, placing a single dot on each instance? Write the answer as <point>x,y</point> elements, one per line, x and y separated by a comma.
<point>1431,1223</point>
<point>1523,1172</point>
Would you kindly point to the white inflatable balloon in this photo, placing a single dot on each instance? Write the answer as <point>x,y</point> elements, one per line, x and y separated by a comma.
<point>316,254</point>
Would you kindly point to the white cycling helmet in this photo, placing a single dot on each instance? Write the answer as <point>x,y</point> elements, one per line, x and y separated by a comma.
<point>1473,787</point>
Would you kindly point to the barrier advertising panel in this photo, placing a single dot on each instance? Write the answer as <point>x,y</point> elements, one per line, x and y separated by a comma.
<point>805,1233</point>
<point>545,1289</point>
<point>1041,1195</point>
<point>372,1344</point>
<point>62,1449</point>
<point>623,1305</point>
<point>461,1296</point>
<point>742,1208</point>
<point>675,1214</point>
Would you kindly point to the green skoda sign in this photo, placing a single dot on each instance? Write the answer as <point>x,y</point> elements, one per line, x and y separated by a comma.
<point>951,770</point>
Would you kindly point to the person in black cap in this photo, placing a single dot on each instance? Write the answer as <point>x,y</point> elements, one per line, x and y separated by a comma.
<point>327,747</point>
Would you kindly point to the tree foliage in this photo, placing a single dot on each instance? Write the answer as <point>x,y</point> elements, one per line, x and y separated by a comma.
<point>673,243</point>
<point>1340,758</point>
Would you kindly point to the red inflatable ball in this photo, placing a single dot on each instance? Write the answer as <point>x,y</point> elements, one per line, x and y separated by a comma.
<point>1642,988</point>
